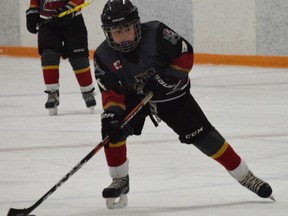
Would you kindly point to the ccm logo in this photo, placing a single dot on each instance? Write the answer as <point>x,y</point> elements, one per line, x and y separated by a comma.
<point>193,134</point>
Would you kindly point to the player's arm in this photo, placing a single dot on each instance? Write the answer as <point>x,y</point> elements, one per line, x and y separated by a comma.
<point>113,103</point>
<point>33,16</point>
<point>173,62</point>
<point>76,2</point>
<point>175,48</point>
<point>111,90</point>
<point>34,4</point>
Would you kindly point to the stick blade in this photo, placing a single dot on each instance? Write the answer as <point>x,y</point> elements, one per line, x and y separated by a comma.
<point>18,212</point>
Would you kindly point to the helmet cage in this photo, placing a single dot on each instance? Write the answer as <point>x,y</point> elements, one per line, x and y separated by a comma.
<point>126,46</point>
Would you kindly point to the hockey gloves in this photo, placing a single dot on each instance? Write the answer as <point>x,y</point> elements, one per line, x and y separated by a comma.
<point>111,126</point>
<point>32,20</point>
<point>161,85</point>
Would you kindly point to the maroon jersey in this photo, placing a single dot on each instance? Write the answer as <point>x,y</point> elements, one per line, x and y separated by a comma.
<point>47,7</point>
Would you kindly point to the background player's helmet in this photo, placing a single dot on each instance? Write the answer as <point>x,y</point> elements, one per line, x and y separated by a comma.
<point>121,13</point>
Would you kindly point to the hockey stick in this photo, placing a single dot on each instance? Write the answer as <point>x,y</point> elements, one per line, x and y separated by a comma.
<point>77,8</point>
<point>64,13</point>
<point>27,211</point>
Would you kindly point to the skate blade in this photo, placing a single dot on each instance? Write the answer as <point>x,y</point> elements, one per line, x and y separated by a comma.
<point>117,203</point>
<point>272,198</point>
<point>53,111</point>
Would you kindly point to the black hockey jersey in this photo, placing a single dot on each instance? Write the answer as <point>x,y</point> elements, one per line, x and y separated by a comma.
<point>161,50</point>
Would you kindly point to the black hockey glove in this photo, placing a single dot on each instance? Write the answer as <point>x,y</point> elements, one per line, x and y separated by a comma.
<point>66,17</point>
<point>161,85</point>
<point>111,126</point>
<point>32,20</point>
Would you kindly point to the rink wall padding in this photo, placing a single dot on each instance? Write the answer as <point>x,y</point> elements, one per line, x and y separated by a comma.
<point>199,58</point>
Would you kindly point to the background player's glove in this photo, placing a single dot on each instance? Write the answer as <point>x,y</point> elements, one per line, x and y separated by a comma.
<point>32,20</point>
<point>161,85</point>
<point>111,126</point>
<point>66,17</point>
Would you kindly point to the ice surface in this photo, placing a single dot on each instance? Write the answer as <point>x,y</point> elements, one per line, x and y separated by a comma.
<point>249,106</point>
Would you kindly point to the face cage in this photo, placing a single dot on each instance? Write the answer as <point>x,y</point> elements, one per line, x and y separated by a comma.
<point>127,47</point>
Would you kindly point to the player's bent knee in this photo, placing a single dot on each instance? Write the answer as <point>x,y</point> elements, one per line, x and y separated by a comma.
<point>79,62</point>
<point>209,143</point>
<point>50,57</point>
<point>192,137</point>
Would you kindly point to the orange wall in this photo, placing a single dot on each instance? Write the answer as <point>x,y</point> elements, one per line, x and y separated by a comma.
<point>200,58</point>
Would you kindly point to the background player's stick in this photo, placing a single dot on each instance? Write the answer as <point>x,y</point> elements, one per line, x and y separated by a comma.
<point>64,13</point>
<point>27,211</point>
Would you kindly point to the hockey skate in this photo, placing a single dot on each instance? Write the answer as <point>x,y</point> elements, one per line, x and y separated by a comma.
<point>116,193</point>
<point>52,102</point>
<point>89,99</point>
<point>257,185</point>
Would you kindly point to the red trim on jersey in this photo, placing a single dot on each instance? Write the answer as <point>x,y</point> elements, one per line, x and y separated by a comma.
<point>229,159</point>
<point>111,98</point>
<point>36,3</point>
<point>76,2</point>
<point>184,62</point>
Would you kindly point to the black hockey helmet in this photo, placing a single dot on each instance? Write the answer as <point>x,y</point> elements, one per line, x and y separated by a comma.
<point>117,13</point>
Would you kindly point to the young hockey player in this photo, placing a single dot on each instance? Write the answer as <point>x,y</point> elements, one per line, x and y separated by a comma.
<point>139,58</point>
<point>66,37</point>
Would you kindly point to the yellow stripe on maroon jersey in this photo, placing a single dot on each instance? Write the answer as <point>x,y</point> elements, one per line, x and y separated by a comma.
<point>176,67</point>
<point>220,151</point>
<point>122,106</point>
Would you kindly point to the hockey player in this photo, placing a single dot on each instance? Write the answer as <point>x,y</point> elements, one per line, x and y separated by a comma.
<point>139,58</point>
<point>66,37</point>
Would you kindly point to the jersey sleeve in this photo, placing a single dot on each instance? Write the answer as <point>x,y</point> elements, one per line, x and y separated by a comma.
<point>113,97</point>
<point>34,3</point>
<point>76,2</point>
<point>175,48</point>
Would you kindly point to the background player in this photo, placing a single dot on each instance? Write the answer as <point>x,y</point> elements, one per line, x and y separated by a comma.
<point>66,37</point>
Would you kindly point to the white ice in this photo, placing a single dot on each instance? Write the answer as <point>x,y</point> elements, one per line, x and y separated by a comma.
<point>248,105</point>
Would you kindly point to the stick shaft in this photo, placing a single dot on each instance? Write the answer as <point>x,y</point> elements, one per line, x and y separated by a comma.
<point>77,8</point>
<point>64,13</point>
<point>25,212</point>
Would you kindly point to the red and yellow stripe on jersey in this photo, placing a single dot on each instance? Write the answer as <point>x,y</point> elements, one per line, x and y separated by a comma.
<point>60,3</point>
<point>183,63</point>
<point>113,101</point>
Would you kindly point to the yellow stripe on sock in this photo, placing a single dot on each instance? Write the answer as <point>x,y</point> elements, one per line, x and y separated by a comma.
<point>220,151</point>
<point>84,70</point>
<point>116,145</point>
<point>49,67</point>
